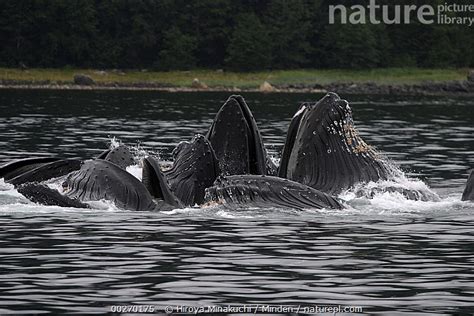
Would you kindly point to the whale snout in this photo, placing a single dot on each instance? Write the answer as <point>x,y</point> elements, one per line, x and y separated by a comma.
<point>332,101</point>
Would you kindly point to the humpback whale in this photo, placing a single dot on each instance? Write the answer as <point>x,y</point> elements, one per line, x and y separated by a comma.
<point>17,167</point>
<point>47,171</point>
<point>42,194</point>
<point>324,150</point>
<point>195,167</point>
<point>268,191</point>
<point>157,184</point>
<point>97,180</point>
<point>27,170</point>
<point>237,142</point>
<point>100,179</point>
<point>121,156</point>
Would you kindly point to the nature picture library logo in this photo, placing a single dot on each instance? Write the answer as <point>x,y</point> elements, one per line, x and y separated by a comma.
<point>374,13</point>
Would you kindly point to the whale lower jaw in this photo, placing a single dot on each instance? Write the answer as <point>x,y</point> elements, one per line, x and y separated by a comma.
<point>44,195</point>
<point>268,191</point>
<point>236,140</point>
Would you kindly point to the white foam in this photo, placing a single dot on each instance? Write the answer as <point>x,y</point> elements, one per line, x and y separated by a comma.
<point>225,214</point>
<point>104,205</point>
<point>5,186</point>
<point>136,171</point>
<point>398,181</point>
<point>386,197</point>
<point>389,204</point>
<point>180,211</point>
<point>141,153</point>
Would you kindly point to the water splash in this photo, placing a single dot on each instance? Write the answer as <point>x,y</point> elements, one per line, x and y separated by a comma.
<point>9,196</point>
<point>114,143</point>
<point>140,153</point>
<point>410,189</point>
<point>5,186</point>
<point>399,195</point>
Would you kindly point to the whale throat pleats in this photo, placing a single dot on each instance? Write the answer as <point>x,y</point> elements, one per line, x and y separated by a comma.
<point>325,151</point>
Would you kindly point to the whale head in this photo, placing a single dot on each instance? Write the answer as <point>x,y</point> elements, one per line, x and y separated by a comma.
<point>195,167</point>
<point>324,150</point>
<point>236,140</point>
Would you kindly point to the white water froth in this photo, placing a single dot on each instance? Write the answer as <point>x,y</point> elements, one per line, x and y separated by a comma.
<point>176,211</point>
<point>104,205</point>
<point>385,197</point>
<point>5,186</point>
<point>9,196</point>
<point>114,143</point>
<point>136,171</point>
<point>399,183</point>
<point>139,154</point>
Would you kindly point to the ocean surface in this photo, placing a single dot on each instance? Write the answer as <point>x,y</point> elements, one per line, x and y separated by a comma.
<point>384,255</point>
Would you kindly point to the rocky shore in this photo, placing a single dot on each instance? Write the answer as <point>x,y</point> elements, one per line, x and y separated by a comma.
<point>425,88</point>
<point>82,82</point>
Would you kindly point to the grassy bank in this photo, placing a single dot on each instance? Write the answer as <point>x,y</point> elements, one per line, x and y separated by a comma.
<point>242,80</point>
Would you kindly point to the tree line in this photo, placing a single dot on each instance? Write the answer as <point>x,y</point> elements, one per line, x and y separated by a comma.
<point>241,35</point>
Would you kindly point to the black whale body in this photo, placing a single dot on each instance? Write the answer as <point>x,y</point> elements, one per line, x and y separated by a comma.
<point>96,180</point>
<point>157,184</point>
<point>237,142</point>
<point>195,168</point>
<point>42,194</point>
<point>17,167</point>
<point>47,171</point>
<point>100,179</point>
<point>468,194</point>
<point>268,191</point>
<point>120,155</point>
<point>44,168</point>
<point>324,150</point>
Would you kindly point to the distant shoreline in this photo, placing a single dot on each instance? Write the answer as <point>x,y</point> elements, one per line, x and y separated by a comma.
<point>378,81</point>
<point>348,89</point>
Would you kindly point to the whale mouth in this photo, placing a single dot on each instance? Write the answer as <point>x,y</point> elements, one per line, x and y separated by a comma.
<point>265,191</point>
<point>236,140</point>
<point>337,118</point>
<point>103,180</point>
<point>195,167</point>
<point>331,112</point>
<point>325,151</point>
<point>331,115</point>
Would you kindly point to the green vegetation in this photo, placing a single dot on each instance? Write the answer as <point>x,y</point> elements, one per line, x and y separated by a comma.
<point>242,80</point>
<point>237,35</point>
